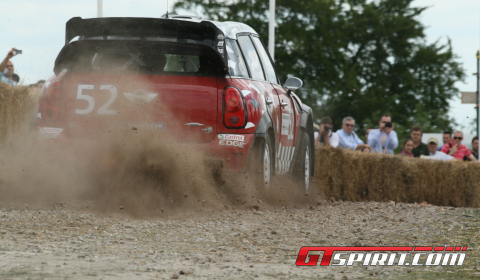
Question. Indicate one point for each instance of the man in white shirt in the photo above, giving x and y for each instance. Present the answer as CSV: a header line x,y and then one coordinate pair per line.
x,y
348,139
326,135
434,153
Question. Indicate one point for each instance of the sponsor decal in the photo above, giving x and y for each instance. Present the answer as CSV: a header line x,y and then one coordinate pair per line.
x,y
366,256
231,137
50,132
231,143
285,124
284,158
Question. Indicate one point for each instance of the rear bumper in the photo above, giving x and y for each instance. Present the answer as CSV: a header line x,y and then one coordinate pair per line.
x,y
231,150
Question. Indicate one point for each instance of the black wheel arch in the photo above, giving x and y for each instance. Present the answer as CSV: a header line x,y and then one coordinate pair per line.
x,y
306,125
264,127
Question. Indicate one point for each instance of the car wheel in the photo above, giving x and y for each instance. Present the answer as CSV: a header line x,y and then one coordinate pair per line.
x,y
303,164
266,164
262,163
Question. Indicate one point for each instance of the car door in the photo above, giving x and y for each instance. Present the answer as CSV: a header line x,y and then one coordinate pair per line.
x,y
259,82
287,121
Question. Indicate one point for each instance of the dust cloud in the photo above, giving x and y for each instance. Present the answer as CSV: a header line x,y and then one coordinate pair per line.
x,y
128,170
131,172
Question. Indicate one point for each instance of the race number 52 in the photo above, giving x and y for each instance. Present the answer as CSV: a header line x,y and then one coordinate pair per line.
x,y
103,110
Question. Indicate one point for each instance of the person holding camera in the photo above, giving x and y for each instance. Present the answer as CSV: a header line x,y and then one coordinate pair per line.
x,y
6,69
325,134
456,149
419,148
384,139
347,137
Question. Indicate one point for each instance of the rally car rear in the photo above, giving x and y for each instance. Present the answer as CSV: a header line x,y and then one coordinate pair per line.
x,y
165,77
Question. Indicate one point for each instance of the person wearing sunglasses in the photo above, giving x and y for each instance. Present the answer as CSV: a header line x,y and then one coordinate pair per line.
x,y
384,139
456,149
347,137
6,69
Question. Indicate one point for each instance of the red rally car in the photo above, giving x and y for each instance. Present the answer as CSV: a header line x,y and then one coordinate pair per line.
x,y
211,84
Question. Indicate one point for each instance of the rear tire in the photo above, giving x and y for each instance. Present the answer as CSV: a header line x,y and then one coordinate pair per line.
x,y
261,163
303,165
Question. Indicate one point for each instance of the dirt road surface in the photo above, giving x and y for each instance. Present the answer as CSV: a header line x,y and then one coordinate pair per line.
x,y
65,241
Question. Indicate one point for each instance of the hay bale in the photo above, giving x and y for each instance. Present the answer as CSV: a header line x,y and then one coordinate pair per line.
x,y
16,108
356,176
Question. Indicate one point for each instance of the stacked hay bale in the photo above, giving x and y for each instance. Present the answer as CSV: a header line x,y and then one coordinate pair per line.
x,y
16,108
356,176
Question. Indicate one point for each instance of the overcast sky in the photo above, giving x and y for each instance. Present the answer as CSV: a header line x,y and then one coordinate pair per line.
x,y
38,28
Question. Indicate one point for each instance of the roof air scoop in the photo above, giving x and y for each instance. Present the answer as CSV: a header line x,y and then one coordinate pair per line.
x,y
187,17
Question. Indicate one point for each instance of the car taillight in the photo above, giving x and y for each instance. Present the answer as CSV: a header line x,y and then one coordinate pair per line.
x,y
234,109
51,102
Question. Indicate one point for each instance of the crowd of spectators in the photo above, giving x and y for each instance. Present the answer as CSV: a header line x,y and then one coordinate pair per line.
x,y
384,140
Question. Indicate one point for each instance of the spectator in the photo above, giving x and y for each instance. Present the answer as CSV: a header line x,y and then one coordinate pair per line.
x,y
407,148
326,135
419,148
347,137
6,70
433,151
40,84
368,131
447,138
456,149
37,87
474,149
384,139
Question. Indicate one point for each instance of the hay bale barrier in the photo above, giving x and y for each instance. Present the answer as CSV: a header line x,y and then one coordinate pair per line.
x,y
16,108
355,176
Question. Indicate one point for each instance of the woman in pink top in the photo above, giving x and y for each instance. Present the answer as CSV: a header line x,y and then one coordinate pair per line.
x,y
407,148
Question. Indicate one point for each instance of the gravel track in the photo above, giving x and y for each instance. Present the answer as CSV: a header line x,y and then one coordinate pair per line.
x,y
75,242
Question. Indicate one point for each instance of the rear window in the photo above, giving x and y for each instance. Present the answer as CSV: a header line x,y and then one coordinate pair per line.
x,y
146,63
141,58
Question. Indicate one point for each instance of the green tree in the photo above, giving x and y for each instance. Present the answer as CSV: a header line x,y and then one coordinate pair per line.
x,y
357,58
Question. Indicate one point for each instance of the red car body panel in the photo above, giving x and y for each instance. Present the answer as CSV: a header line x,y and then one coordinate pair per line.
x,y
175,101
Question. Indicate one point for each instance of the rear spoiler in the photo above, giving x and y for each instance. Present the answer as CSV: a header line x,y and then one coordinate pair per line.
x,y
183,30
